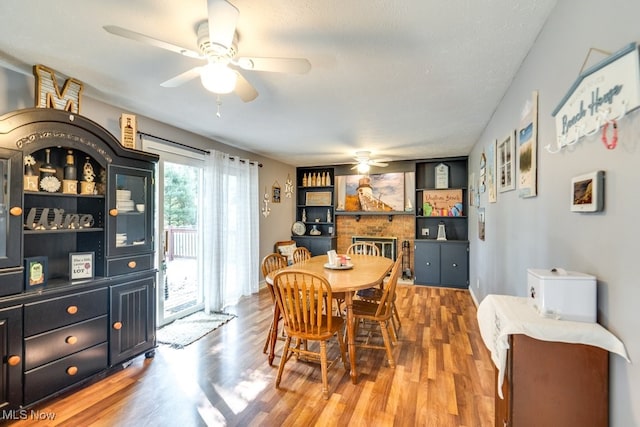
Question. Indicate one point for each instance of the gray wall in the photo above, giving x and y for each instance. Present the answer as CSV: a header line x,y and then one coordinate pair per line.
x,y
541,232
17,91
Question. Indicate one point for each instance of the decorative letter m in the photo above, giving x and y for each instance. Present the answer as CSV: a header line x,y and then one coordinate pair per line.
x,y
48,94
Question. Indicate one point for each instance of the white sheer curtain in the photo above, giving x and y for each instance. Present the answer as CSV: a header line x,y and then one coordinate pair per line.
x,y
231,230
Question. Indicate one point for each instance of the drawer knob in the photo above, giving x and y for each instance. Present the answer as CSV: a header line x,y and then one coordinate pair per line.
x,y
428,263
117,326
14,360
72,370
455,265
113,212
72,309
132,264
15,211
71,340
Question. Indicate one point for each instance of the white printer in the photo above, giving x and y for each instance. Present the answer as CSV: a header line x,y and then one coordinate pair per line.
x,y
561,294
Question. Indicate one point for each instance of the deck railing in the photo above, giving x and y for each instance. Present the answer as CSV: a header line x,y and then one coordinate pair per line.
x,y
180,242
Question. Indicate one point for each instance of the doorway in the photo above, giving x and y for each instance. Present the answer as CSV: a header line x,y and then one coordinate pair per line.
x,y
178,215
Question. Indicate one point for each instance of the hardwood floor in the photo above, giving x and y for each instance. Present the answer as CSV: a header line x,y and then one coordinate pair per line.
x,y
443,377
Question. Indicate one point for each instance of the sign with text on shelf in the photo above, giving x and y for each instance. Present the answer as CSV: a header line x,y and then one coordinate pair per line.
x,y
601,94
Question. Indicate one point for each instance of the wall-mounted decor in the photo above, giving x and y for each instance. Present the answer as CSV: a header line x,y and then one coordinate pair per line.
x,y
506,162
375,193
587,192
528,149
128,130
604,92
81,265
481,223
491,171
49,95
266,210
442,202
318,198
482,183
275,192
288,187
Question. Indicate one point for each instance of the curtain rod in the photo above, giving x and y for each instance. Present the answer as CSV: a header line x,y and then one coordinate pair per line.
x,y
189,147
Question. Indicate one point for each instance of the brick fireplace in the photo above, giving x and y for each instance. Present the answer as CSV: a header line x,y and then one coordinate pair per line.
x,y
402,227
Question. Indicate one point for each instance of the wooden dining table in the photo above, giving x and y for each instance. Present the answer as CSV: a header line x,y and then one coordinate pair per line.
x,y
367,271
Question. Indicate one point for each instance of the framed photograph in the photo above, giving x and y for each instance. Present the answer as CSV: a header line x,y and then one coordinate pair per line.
x,y
587,192
481,223
81,265
275,192
506,163
318,198
35,272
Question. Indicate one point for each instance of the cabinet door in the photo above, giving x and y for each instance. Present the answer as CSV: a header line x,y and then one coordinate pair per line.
x,y
132,319
11,353
130,210
10,208
427,263
454,264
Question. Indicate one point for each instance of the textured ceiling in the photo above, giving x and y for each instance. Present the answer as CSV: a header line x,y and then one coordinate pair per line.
x,y
403,79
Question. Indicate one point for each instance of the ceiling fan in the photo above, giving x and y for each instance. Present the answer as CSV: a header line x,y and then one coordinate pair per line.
x,y
218,45
364,162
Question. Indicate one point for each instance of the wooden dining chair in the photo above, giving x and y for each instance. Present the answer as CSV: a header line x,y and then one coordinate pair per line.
x,y
305,299
373,294
379,314
363,248
301,254
270,263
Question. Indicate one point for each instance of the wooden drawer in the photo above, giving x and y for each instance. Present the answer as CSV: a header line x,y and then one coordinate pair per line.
x,y
129,264
58,312
11,281
52,377
52,345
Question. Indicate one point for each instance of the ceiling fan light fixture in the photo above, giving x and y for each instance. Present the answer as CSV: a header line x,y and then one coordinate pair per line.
x,y
218,78
363,167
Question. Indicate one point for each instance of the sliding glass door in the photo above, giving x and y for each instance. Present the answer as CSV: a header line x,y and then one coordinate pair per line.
x,y
179,179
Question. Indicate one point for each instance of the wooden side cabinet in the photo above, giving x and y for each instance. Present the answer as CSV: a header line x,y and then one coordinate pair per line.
x,y
553,384
132,319
11,353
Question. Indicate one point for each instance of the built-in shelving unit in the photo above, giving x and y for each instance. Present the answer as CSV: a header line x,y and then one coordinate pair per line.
x,y
441,207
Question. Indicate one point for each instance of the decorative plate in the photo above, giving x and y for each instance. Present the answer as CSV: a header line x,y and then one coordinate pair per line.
x,y
50,184
338,267
298,228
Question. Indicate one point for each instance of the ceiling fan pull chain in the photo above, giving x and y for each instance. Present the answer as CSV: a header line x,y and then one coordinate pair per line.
x,y
218,104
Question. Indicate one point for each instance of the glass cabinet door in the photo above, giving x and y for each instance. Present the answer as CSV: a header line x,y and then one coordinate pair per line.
x,y
130,210
10,208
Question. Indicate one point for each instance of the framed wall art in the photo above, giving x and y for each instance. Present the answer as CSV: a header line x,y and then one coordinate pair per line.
x,y
528,149
275,192
491,172
506,162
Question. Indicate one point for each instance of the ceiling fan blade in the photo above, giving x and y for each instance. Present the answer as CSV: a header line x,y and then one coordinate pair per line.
x,y
182,78
132,35
379,164
244,89
223,18
276,65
